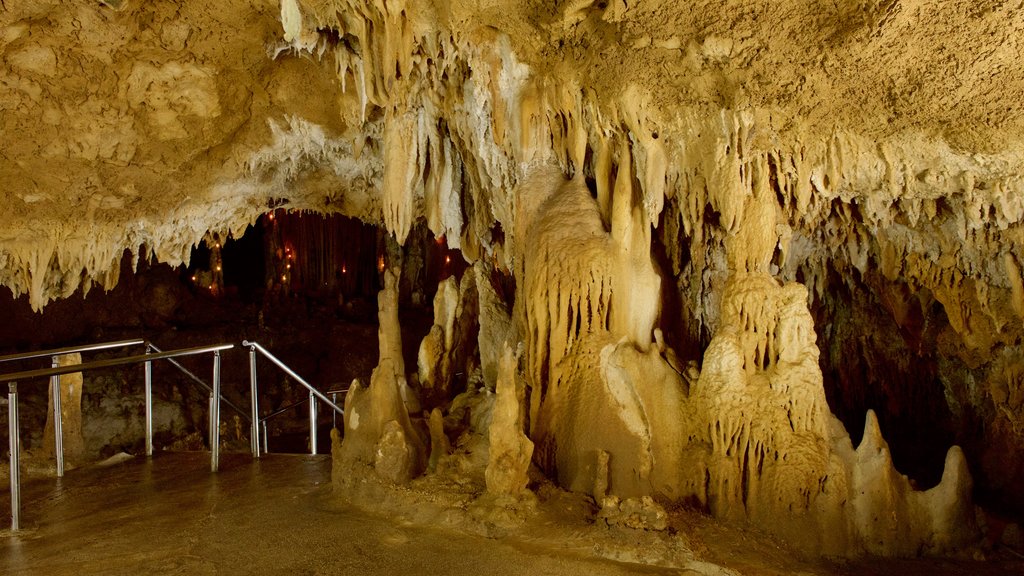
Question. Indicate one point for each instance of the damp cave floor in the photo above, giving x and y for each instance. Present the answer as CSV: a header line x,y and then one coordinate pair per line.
x,y
170,515
276,515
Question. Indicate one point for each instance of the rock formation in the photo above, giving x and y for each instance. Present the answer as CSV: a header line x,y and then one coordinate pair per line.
x,y
71,416
377,428
509,451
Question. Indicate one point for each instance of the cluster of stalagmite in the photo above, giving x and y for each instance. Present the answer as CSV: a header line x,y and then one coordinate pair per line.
x,y
751,437
611,157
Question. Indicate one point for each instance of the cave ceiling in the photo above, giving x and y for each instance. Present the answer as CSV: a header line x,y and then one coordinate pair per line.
x,y
889,131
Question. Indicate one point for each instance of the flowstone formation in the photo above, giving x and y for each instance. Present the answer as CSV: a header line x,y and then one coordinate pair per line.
x,y
687,203
752,438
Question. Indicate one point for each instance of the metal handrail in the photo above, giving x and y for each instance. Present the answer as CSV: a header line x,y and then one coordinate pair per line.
x,y
54,354
110,362
72,349
280,411
200,381
313,393
14,440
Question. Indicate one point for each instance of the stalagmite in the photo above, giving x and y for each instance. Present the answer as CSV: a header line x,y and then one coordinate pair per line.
x,y
71,416
439,444
389,337
495,325
378,431
510,450
444,351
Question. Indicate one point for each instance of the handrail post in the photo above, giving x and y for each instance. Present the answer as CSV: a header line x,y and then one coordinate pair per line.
x,y
58,420
14,443
148,369
215,415
334,415
266,441
312,423
254,434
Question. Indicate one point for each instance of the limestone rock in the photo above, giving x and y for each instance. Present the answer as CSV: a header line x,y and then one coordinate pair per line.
x,y
638,513
510,451
389,336
395,459
439,444
378,430
446,349
495,324
71,420
1013,537
637,398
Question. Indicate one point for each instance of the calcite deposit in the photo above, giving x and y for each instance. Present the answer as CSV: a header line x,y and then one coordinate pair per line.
x,y
724,221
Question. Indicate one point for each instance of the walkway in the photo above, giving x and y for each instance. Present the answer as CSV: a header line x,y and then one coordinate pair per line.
x,y
169,515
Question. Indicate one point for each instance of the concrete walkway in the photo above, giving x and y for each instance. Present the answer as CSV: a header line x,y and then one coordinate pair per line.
x,y
170,515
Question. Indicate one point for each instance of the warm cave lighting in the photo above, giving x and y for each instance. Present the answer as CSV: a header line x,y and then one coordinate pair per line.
x,y
344,270
218,268
380,263
447,260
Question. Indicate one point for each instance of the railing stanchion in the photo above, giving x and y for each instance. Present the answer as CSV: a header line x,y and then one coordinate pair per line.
x,y
58,420
14,444
266,439
334,415
148,370
254,393
215,415
312,423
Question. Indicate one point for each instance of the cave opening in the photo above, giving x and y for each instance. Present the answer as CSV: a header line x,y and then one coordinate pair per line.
x,y
303,284
890,368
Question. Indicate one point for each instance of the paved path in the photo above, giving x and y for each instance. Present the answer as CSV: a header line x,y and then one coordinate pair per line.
x,y
169,515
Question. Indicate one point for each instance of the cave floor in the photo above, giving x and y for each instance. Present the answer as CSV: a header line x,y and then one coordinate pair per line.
x,y
170,515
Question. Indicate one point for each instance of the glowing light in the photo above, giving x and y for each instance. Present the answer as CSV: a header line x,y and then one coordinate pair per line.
x,y
283,279
343,269
271,215
447,259
380,263
218,268
193,278
289,266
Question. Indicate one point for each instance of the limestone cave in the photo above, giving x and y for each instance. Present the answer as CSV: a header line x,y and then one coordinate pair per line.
x,y
585,286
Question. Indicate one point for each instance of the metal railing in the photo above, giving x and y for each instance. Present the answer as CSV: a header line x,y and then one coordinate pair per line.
x,y
196,379
14,440
54,354
257,422
334,416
